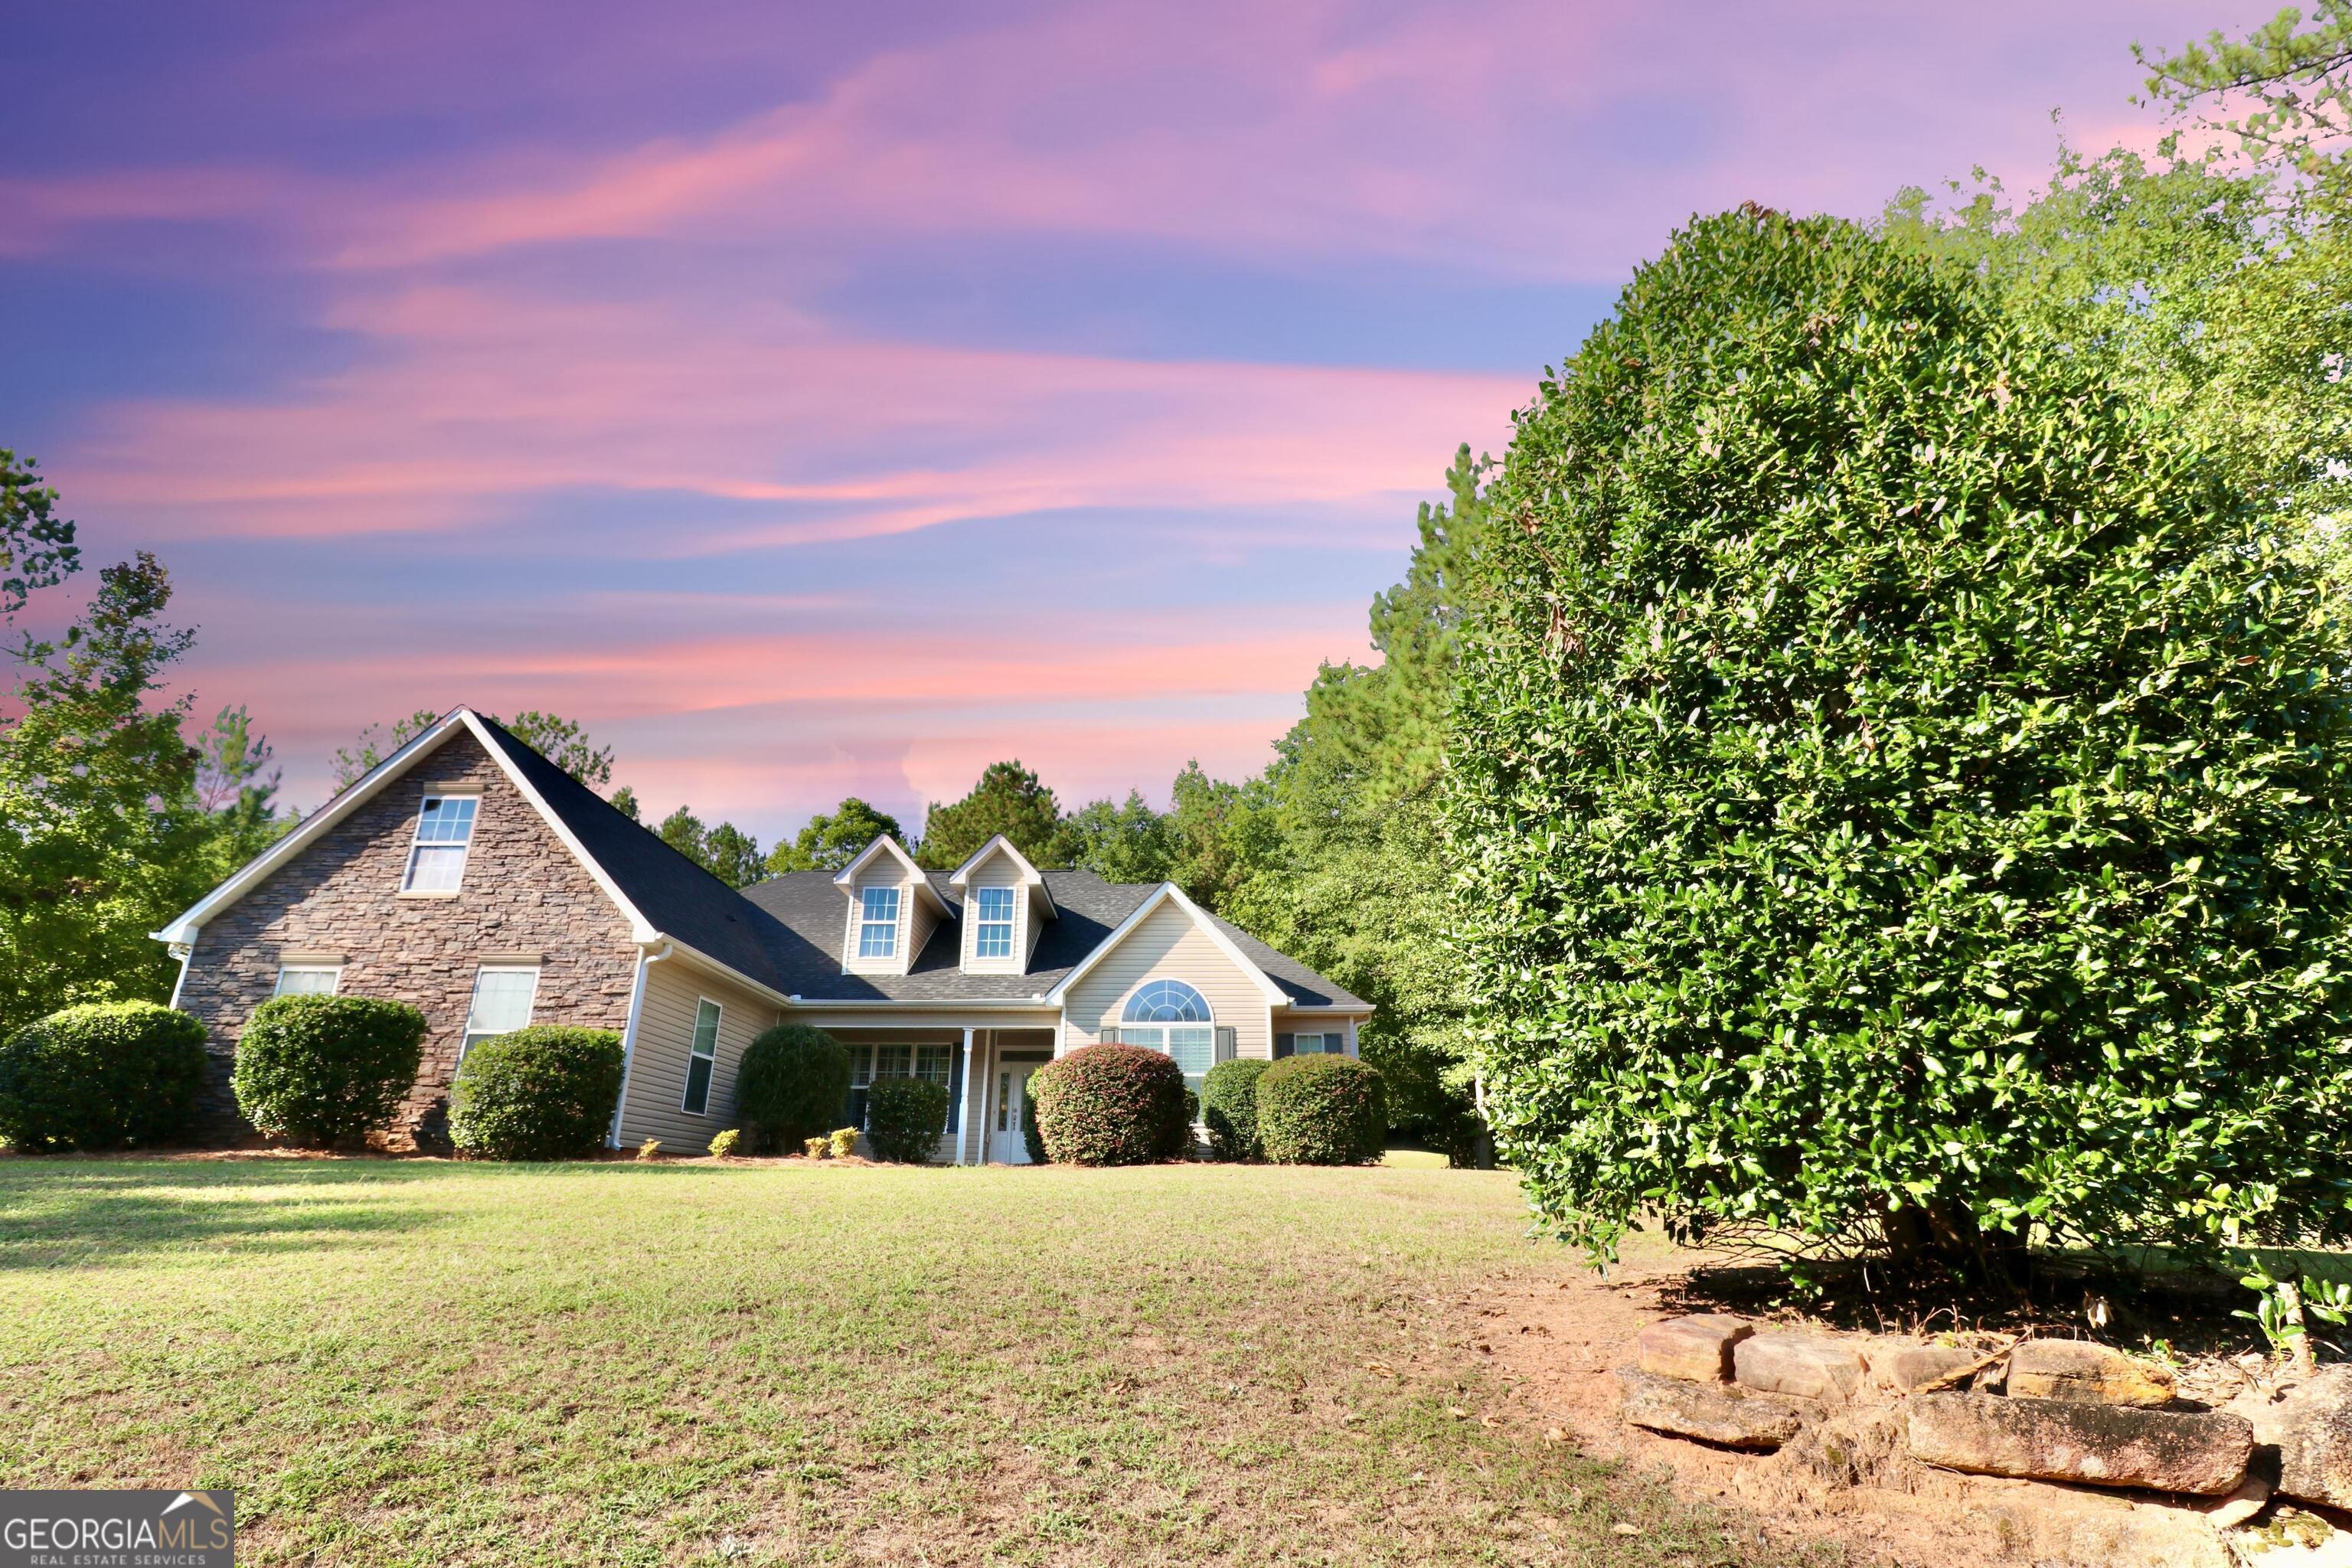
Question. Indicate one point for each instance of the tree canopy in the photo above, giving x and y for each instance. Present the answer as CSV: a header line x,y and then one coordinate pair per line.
x,y
1900,783
832,839
1009,799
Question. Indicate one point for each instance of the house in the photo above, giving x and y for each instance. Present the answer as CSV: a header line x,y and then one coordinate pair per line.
x,y
473,878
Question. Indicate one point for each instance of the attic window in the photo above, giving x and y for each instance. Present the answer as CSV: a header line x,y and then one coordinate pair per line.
x,y
993,923
436,860
878,926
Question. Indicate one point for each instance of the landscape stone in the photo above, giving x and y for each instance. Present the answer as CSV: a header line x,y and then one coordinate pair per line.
x,y
1808,1366
1906,1366
1714,1413
2085,1374
1697,1347
2252,1495
2310,1425
2202,1452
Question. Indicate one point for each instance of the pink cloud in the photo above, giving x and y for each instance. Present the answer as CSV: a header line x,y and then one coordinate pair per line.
x,y
481,400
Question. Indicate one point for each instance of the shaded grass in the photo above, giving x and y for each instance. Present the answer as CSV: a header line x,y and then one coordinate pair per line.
x,y
414,1362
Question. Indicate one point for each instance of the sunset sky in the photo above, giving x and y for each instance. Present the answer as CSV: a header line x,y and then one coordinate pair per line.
x,y
819,400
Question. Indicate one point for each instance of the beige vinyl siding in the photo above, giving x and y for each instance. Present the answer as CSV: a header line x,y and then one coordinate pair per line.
x,y
999,870
1168,945
666,1038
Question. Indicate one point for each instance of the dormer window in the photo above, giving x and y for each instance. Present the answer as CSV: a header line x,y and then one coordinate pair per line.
x,y
992,922
877,924
437,858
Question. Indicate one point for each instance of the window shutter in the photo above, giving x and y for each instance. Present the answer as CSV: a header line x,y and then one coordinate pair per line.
x,y
1110,1036
1226,1044
1282,1045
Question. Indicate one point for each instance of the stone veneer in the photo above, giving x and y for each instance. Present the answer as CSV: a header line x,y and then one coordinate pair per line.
x,y
523,892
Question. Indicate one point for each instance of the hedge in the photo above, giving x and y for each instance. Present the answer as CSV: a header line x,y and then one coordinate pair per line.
x,y
1322,1110
1229,1108
1032,1139
101,1076
323,1070
542,1093
1111,1105
791,1085
904,1119
1901,793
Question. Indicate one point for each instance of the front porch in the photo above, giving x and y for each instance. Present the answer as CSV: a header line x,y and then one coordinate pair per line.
x,y
984,1066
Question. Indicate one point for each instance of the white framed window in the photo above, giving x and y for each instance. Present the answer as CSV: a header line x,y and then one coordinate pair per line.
x,y
932,1063
702,1058
1333,1043
503,995
309,979
437,857
877,923
991,931
1171,1016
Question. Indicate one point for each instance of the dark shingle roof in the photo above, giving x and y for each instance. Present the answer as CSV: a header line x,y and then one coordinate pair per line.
x,y
786,933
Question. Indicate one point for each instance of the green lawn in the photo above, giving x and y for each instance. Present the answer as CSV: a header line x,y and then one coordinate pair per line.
x,y
429,1363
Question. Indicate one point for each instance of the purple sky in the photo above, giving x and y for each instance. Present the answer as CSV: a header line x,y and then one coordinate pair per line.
x,y
832,399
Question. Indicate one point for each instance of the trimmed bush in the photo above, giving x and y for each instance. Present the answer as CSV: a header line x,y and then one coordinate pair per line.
x,y
1031,1138
1322,1110
1110,1105
101,1076
1229,1107
323,1070
724,1146
542,1093
904,1119
791,1085
841,1142
1901,793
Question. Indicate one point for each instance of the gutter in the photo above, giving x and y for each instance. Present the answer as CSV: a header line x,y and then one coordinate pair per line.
x,y
645,960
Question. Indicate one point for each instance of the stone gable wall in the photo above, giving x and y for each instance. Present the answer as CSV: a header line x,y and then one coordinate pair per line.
x,y
523,892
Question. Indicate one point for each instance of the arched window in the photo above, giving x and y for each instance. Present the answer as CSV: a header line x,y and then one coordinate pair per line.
x,y
1169,1016
1167,1002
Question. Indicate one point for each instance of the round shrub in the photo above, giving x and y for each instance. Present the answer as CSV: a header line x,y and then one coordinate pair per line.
x,y
1322,1110
791,1085
542,1093
1110,1105
904,1119
1229,1107
1904,795
1031,1140
101,1076
322,1070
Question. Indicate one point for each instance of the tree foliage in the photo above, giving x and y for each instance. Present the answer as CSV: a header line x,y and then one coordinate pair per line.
x,y
1009,799
100,838
36,546
2290,81
724,850
1900,783
832,839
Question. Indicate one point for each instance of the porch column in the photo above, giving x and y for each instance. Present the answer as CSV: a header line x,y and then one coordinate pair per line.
x,y
965,1120
985,1085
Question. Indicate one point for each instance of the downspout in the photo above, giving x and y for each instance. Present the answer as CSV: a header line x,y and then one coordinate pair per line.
x,y
645,960
183,951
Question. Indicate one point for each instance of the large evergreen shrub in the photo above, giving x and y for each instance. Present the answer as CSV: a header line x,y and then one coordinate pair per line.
x,y
1229,1108
1111,1105
791,1085
100,1076
1902,794
323,1070
1322,1110
547,1092
904,1119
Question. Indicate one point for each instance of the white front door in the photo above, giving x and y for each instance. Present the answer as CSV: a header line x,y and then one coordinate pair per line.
x,y
1005,1145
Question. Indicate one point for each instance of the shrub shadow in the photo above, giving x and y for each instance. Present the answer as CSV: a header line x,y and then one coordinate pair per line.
x,y
80,1213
